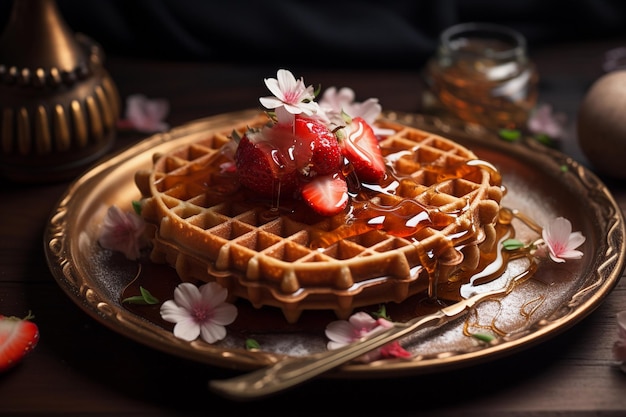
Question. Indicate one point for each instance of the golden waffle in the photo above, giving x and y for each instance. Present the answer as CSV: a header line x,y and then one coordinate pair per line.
x,y
210,230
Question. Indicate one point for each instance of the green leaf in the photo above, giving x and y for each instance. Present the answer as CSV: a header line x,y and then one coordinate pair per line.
x,y
137,206
150,299
252,344
381,313
484,337
317,90
545,139
512,244
144,298
135,299
510,135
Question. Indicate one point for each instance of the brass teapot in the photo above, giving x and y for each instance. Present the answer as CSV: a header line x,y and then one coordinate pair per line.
x,y
58,105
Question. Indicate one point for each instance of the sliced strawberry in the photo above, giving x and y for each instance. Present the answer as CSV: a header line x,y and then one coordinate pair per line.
x,y
264,166
326,157
326,194
360,147
17,338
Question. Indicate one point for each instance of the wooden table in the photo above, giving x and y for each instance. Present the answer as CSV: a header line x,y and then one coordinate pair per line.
x,y
82,368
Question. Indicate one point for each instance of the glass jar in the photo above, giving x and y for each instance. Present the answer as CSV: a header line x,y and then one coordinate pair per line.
x,y
481,74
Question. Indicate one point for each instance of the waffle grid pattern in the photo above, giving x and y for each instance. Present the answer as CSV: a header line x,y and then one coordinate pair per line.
x,y
269,260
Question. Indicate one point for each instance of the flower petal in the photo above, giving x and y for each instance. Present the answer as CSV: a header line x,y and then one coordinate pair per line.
x,y
368,110
270,102
571,254
340,331
212,294
575,240
621,325
187,329
146,115
556,258
558,231
172,312
274,87
362,320
286,81
187,295
211,332
122,232
224,314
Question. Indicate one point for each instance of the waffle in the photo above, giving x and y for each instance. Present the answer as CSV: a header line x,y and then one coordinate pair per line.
x,y
442,216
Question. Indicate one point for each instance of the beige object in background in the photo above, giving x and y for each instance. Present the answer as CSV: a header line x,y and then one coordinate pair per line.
x,y
601,125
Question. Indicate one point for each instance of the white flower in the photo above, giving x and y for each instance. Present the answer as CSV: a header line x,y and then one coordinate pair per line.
x,y
122,232
199,312
359,325
290,94
561,242
146,115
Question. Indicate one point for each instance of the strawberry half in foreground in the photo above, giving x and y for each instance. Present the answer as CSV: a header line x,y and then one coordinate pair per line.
x,y
326,194
17,338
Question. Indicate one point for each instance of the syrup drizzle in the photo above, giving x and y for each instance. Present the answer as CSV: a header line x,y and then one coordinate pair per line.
x,y
383,207
387,206
492,266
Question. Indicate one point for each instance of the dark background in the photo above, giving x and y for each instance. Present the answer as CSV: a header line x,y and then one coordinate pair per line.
x,y
322,33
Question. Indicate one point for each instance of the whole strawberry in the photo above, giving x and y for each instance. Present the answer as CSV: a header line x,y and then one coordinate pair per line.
x,y
274,160
17,338
264,164
326,157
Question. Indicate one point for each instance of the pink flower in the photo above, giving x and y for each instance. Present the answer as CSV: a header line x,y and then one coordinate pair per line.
x,y
335,104
544,121
122,232
561,242
145,115
290,95
615,59
359,325
199,312
619,348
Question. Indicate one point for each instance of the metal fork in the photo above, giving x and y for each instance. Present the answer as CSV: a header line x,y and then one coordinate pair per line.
x,y
295,370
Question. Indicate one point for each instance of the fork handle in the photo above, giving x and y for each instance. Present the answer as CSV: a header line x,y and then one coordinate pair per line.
x,y
295,370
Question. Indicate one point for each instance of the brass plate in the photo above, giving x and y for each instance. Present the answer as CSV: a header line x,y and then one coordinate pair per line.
x,y
541,182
